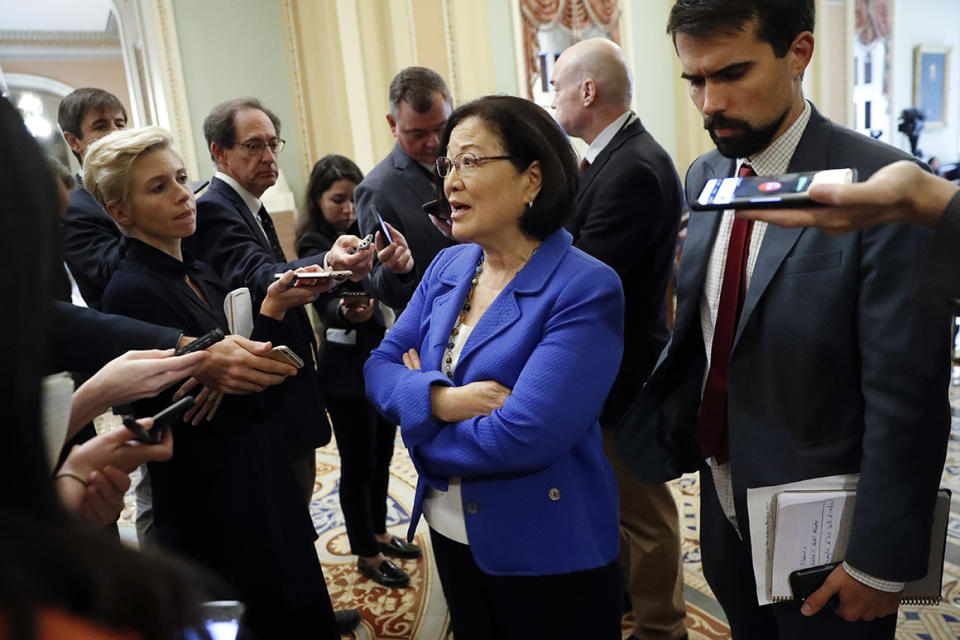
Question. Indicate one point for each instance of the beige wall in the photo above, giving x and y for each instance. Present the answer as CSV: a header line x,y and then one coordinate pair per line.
x,y
103,74
330,74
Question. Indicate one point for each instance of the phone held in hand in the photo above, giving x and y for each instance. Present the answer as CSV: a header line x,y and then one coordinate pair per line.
x,y
317,275
363,244
283,353
161,421
214,336
384,232
790,190
803,582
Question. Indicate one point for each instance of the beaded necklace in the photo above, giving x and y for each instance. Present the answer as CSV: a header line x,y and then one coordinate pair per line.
x,y
464,310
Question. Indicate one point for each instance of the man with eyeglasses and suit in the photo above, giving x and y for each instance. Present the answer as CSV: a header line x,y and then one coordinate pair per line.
x,y
236,237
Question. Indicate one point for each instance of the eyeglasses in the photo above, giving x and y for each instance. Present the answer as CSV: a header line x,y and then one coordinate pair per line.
x,y
464,163
256,147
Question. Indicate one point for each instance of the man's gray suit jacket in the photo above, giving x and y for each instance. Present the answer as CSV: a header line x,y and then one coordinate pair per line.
x,y
398,188
837,366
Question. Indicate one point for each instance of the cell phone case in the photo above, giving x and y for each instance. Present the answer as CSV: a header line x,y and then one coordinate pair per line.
x,y
803,582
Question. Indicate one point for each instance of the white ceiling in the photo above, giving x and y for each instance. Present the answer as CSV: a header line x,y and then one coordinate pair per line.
x,y
54,15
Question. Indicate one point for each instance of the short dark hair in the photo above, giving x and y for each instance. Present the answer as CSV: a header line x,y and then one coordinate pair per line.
x,y
779,22
75,105
219,126
416,86
528,133
328,169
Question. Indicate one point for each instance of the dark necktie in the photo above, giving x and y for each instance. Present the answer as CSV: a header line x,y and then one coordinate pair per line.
x,y
712,423
271,232
584,164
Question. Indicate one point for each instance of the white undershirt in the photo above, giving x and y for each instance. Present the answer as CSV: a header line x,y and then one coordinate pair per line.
x,y
444,509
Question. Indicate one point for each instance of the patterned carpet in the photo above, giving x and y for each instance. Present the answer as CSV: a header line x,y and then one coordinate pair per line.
x,y
419,612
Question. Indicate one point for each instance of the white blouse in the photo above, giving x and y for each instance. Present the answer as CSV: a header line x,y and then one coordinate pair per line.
x,y
444,509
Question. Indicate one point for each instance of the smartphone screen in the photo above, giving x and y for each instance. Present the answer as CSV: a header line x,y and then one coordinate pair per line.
x,y
767,192
383,229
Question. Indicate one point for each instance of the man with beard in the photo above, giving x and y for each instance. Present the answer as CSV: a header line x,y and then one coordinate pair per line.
x,y
795,354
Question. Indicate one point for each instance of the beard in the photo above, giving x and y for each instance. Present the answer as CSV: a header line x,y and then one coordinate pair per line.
x,y
746,144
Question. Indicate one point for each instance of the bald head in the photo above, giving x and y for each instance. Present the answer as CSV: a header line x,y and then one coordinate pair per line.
x,y
593,87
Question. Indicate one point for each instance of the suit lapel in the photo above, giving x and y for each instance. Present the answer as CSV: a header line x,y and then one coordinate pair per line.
x,y
633,129
413,176
810,155
226,192
505,309
446,306
701,231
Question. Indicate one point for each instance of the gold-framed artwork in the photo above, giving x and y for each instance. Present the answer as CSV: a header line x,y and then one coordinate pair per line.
x,y
931,68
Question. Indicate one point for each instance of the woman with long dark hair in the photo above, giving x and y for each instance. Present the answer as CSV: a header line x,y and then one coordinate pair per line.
x,y
354,324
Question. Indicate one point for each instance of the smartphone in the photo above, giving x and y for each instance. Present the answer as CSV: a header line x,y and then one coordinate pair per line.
x,y
363,244
804,582
312,275
354,294
161,422
384,232
212,337
284,353
789,190
437,209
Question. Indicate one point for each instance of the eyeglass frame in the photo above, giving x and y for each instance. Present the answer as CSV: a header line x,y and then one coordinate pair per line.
x,y
454,164
254,149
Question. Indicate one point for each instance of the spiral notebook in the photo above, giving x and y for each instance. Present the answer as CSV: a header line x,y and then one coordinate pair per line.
x,y
813,527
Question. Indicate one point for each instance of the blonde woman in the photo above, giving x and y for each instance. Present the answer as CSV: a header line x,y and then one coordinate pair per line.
x,y
227,499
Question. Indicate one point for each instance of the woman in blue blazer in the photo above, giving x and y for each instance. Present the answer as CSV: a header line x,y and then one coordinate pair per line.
x,y
496,373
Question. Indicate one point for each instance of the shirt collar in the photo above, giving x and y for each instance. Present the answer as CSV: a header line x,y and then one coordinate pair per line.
x,y
253,202
606,136
775,159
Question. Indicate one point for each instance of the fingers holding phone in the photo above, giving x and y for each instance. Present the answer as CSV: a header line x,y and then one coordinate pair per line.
x,y
295,289
393,251
346,254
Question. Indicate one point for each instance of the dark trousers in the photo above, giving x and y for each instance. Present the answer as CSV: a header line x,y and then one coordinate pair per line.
x,y
729,571
576,606
365,441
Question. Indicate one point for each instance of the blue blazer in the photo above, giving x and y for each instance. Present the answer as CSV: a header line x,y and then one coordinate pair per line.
x,y
539,494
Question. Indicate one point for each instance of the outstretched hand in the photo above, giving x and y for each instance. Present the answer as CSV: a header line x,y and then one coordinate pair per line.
x,y
127,378
238,365
396,256
899,192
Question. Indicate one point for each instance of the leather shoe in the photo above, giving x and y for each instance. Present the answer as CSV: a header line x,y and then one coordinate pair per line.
x,y
387,574
398,548
347,620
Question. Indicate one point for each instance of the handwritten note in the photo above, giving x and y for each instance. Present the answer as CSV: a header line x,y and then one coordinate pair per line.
x,y
812,529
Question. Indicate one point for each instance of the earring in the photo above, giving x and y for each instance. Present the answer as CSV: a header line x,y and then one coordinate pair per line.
x,y
530,204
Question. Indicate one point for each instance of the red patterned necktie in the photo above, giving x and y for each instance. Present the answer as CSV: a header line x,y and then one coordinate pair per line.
x,y
712,422
584,164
